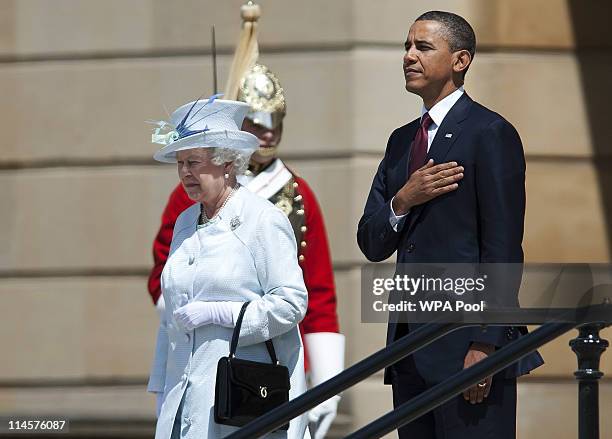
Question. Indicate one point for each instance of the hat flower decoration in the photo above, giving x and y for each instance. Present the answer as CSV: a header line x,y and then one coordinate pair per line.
x,y
204,123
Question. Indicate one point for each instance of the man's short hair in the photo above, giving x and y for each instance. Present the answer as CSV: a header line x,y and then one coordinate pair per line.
x,y
458,32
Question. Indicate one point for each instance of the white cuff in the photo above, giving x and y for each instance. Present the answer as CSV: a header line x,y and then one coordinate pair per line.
x,y
222,313
394,219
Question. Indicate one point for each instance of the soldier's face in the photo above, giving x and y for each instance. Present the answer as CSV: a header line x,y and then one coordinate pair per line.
x,y
268,140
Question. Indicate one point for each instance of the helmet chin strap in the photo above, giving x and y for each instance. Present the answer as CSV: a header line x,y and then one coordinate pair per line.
x,y
267,152
256,167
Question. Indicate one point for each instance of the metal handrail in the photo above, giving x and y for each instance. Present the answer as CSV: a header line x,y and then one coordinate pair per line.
x,y
434,396
461,381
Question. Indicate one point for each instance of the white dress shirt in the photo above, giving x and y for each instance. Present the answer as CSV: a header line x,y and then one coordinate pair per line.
x,y
437,113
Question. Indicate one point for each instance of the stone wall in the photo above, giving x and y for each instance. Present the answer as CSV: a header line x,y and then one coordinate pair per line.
x,y
82,197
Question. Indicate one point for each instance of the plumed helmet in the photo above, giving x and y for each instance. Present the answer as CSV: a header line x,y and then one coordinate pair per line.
x,y
261,89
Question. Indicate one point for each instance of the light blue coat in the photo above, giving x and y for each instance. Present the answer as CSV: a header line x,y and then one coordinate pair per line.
x,y
247,252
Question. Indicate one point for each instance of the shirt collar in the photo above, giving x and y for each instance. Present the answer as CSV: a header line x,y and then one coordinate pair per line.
x,y
439,111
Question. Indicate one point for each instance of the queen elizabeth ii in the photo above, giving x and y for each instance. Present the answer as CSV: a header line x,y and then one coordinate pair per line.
x,y
229,247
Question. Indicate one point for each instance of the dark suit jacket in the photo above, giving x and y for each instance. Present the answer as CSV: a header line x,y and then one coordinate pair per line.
x,y
480,222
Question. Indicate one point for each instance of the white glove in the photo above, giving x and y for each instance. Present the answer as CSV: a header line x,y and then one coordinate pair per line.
x,y
159,401
198,313
326,355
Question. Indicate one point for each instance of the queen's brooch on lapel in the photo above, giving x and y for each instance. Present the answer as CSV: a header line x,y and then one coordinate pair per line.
x,y
235,223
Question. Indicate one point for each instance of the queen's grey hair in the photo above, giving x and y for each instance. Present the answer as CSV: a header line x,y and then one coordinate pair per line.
x,y
240,160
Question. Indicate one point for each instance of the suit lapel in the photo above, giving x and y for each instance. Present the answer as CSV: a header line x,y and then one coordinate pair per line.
x,y
447,134
450,129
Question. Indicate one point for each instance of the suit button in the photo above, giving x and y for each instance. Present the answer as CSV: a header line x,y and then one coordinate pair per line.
x,y
510,333
411,247
187,420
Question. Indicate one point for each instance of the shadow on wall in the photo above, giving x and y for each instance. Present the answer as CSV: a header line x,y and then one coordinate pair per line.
x,y
593,41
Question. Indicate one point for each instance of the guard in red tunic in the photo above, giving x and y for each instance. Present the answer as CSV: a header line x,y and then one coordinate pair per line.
x,y
270,178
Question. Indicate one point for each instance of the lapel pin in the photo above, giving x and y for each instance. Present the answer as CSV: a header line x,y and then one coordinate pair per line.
x,y
448,135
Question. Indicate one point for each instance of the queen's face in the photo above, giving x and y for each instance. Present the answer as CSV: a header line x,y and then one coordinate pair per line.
x,y
203,181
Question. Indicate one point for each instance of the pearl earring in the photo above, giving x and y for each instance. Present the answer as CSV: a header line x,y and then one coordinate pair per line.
x,y
226,175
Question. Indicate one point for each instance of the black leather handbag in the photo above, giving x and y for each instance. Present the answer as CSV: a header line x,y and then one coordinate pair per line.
x,y
244,389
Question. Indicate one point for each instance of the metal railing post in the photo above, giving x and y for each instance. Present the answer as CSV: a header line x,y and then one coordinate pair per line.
x,y
588,347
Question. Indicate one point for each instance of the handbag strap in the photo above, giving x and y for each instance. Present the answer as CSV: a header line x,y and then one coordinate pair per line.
x,y
236,334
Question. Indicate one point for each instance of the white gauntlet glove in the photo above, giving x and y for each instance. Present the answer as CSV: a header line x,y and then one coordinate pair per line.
x,y
326,355
322,416
198,313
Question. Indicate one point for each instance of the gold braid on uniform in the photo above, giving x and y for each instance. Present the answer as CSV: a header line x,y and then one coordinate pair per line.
x,y
291,203
257,168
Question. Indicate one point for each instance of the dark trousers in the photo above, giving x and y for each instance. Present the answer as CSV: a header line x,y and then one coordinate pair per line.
x,y
494,418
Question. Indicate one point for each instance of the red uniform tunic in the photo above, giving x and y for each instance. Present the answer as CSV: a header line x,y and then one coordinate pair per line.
x,y
314,258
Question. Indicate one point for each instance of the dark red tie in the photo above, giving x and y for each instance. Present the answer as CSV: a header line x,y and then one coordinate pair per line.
x,y
418,152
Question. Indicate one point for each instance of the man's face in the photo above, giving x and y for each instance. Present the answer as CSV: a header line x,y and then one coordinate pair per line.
x,y
428,61
268,140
